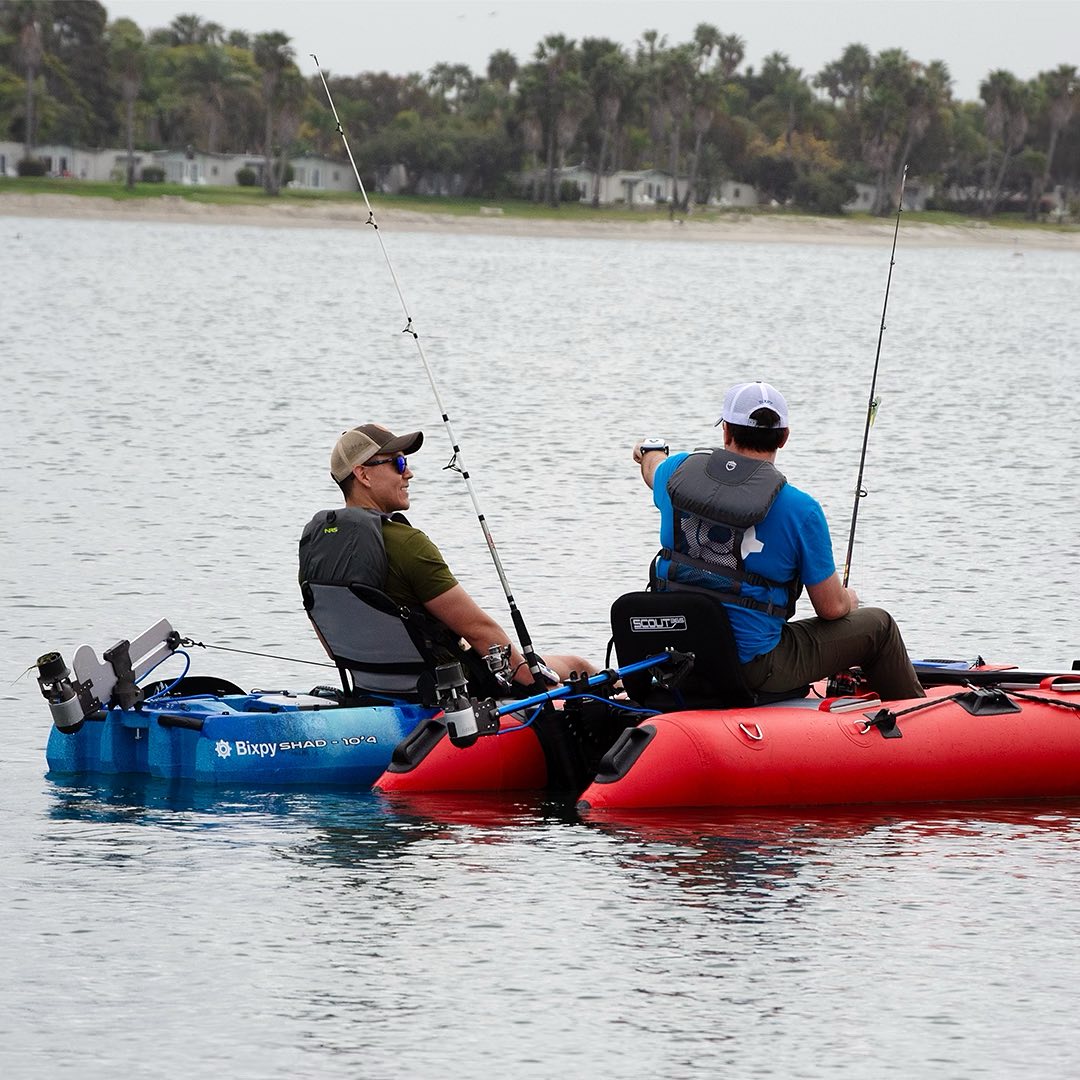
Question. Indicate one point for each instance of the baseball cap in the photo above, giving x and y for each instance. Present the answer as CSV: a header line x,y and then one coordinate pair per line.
x,y
359,444
746,398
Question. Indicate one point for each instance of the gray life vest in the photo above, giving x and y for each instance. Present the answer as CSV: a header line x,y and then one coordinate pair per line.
x,y
345,547
339,547
716,497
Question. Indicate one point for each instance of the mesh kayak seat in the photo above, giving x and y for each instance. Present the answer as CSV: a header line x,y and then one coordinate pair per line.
x,y
377,649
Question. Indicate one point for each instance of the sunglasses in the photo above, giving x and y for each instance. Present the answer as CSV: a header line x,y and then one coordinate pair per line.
x,y
398,461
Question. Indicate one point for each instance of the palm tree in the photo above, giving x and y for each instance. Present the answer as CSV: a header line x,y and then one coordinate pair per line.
x,y
273,55
706,41
787,99
730,53
678,75
452,85
1059,89
213,34
188,30
708,97
547,91
845,79
127,55
610,81
1005,121
502,68
532,137
893,109
211,74
31,51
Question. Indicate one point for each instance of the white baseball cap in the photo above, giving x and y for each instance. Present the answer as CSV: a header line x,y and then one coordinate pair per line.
x,y
741,401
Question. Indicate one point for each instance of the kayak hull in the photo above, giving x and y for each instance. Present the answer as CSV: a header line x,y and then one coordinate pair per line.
x,y
784,756
251,739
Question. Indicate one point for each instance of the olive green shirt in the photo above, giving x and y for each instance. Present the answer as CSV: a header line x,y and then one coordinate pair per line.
x,y
417,572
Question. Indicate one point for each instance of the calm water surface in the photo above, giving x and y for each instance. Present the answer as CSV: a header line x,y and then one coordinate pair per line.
x,y
170,397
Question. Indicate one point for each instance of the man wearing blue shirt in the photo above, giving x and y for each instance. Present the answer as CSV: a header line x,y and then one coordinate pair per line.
x,y
730,523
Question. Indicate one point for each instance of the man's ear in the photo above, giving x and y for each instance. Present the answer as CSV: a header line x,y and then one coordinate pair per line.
x,y
784,438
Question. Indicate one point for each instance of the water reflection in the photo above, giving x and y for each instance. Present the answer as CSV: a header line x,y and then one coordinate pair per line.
x,y
749,851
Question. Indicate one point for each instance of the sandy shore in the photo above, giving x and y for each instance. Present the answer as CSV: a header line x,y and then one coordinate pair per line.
x,y
746,228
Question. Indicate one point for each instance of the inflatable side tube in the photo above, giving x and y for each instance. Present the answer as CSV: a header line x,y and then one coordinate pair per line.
x,y
511,761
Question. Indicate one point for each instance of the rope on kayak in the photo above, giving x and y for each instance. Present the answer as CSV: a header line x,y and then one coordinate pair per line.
x,y
873,402
191,643
536,665
977,700
885,719
1074,705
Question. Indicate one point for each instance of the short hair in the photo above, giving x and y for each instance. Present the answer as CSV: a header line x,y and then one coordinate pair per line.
x,y
347,485
759,438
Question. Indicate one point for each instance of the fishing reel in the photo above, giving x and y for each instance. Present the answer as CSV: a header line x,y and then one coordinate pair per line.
x,y
848,683
498,663
466,719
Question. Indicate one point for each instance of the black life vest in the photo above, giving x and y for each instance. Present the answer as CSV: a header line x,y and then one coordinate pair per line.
x,y
717,497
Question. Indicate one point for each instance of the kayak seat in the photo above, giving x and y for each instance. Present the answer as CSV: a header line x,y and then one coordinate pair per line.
x,y
377,651
646,623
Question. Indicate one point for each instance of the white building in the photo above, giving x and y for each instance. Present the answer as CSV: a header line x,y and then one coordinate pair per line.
x,y
643,188
190,166
916,194
314,173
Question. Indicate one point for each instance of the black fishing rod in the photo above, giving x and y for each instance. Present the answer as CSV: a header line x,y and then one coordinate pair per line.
x,y
456,461
873,401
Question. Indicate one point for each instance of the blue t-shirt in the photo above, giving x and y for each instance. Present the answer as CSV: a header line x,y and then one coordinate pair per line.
x,y
792,541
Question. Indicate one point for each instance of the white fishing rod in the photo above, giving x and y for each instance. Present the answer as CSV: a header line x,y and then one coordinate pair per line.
x,y
874,401
456,462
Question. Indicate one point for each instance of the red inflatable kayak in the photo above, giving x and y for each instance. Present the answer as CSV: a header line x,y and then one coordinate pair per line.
x,y
958,744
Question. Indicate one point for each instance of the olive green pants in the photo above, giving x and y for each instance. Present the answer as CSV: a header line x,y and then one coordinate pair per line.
x,y
812,649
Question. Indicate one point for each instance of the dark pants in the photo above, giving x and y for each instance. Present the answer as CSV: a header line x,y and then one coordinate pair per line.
x,y
812,649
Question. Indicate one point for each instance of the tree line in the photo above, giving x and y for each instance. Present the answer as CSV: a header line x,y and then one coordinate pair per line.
x,y
694,109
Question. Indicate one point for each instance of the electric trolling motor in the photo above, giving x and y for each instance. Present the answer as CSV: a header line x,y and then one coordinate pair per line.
x,y
466,719
108,683
69,703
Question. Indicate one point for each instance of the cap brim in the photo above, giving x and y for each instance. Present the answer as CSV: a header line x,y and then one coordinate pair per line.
x,y
404,444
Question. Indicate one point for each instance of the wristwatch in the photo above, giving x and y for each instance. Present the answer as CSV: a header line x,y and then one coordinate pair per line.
x,y
654,444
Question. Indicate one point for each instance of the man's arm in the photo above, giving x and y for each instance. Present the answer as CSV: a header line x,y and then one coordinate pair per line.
x,y
456,609
649,458
832,600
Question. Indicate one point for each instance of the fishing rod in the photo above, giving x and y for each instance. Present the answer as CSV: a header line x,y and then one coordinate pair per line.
x,y
873,401
456,461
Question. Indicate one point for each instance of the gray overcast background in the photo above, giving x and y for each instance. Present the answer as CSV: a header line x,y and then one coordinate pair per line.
x,y
972,36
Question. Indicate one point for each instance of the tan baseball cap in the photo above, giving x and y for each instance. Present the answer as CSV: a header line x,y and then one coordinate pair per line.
x,y
361,443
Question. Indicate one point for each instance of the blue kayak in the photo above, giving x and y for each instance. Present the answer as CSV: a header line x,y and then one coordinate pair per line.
x,y
209,730
239,739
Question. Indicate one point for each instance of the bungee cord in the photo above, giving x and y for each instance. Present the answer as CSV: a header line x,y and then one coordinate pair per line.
x,y
873,401
191,643
456,462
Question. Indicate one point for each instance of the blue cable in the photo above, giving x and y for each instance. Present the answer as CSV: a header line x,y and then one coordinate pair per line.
x,y
615,704
522,726
176,682
581,697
